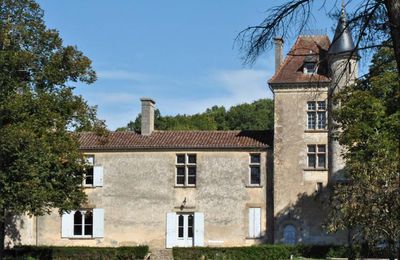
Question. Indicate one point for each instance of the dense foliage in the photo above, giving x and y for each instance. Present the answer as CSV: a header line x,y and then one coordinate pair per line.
x,y
78,253
258,115
40,166
369,122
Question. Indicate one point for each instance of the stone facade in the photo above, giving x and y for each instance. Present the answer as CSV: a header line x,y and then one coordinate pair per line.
x,y
139,189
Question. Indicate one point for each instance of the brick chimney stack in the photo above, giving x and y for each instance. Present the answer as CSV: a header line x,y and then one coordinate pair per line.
x,y
278,52
147,122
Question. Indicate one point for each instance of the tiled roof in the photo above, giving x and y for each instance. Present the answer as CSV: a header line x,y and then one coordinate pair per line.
x,y
177,140
306,47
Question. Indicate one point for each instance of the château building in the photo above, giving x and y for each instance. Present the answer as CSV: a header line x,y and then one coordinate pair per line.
x,y
218,188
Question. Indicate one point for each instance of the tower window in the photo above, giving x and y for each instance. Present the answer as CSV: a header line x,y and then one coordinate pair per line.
x,y
316,115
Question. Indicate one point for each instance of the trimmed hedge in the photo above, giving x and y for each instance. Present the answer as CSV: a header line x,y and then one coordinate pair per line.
x,y
259,252
77,253
272,252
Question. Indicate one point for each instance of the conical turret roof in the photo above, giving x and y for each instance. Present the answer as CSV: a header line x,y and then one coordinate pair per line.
x,y
342,42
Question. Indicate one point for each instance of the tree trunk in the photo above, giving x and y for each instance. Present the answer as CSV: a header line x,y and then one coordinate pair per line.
x,y
393,9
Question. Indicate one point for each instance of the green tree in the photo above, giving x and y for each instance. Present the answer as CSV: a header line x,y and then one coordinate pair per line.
x,y
369,119
258,115
40,165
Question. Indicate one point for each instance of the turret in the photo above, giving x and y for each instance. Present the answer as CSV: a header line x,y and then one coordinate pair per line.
x,y
343,64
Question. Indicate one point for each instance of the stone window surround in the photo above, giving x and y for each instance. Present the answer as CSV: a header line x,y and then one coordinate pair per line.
x,y
315,110
186,165
316,154
253,165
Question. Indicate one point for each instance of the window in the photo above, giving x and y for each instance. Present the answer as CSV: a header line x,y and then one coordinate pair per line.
x,y
310,67
255,169
186,169
89,172
316,156
254,222
316,115
289,235
93,175
83,223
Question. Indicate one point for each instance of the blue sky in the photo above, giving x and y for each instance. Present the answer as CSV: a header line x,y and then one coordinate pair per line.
x,y
178,52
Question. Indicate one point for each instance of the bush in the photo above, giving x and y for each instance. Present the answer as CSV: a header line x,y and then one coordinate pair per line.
x,y
272,252
78,253
260,252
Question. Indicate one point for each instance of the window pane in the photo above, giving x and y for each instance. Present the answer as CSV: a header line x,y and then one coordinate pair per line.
x,y
192,158
89,176
180,175
190,226
88,230
90,159
321,148
77,218
311,105
311,160
311,120
180,226
180,158
192,175
255,175
321,160
321,105
88,218
77,230
78,223
321,120
311,148
254,158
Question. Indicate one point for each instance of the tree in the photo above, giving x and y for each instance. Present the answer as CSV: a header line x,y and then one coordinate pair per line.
x,y
373,22
40,165
258,115
369,119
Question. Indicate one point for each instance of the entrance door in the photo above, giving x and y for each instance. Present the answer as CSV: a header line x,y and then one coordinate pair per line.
x,y
185,223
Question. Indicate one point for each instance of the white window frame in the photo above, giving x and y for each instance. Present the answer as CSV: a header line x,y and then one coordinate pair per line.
x,y
83,212
316,155
90,161
316,112
186,165
254,165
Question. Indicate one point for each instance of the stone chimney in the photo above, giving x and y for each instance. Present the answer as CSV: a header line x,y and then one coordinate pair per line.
x,y
147,123
278,52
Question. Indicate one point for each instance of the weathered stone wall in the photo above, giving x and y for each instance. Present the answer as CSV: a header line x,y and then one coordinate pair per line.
x,y
139,189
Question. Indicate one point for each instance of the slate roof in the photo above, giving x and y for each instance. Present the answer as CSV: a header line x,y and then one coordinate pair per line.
x,y
177,140
305,48
342,42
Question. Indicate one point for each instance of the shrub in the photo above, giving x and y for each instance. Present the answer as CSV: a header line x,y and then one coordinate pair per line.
x,y
78,253
272,252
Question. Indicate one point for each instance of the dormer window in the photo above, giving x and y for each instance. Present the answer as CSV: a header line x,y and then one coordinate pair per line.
x,y
310,64
310,67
